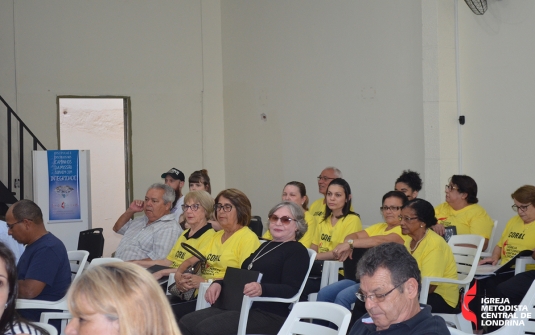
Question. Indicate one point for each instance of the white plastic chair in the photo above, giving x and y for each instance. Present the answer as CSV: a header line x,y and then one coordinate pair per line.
x,y
521,263
466,259
329,275
77,259
103,260
327,311
490,247
49,328
248,301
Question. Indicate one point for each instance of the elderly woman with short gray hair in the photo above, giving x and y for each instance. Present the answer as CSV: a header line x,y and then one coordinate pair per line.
x,y
283,262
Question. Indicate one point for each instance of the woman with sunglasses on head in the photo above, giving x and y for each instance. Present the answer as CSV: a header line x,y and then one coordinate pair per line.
x,y
283,262
228,247
432,253
10,321
462,211
343,291
296,192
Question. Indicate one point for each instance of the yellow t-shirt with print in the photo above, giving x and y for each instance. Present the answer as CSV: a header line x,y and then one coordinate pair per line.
x,y
231,253
435,259
516,237
473,219
177,255
306,240
327,237
380,229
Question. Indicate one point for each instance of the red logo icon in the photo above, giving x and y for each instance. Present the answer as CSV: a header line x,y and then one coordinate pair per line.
x,y
465,310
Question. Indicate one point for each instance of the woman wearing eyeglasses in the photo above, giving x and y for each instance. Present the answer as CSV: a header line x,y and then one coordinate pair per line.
x,y
343,291
229,246
283,262
432,253
296,192
462,211
519,235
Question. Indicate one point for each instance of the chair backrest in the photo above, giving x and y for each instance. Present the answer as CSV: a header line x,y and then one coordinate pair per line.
x,y
466,257
92,240
492,243
49,328
77,259
105,260
256,225
298,320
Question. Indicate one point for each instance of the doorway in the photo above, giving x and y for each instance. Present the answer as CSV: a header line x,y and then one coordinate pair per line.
x,y
101,125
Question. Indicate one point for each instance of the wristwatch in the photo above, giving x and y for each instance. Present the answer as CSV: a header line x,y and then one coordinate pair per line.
x,y
350,243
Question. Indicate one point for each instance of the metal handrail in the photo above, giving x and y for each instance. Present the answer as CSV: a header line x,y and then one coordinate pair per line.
x,y
36,143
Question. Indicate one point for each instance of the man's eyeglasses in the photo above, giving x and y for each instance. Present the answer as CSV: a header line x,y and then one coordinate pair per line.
x,y
194,207
324,178
10,226
224,208
377,297
391,208
521,208
284,219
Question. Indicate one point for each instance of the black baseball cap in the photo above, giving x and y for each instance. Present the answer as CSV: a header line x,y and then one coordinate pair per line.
x,y
175,174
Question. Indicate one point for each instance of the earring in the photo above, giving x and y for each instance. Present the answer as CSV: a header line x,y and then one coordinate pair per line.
x,y
421,226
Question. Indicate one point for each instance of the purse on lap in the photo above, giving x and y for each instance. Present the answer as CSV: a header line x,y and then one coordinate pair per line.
x,y
196,269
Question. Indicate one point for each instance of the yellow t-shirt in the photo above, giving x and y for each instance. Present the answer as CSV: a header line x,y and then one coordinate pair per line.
x,y
177,255
231,253
306,240
327,237
516,237
379,229
435,259
317,209
473,219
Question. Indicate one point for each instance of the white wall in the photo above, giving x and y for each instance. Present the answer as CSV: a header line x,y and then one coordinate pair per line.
x,y
498,82
340,84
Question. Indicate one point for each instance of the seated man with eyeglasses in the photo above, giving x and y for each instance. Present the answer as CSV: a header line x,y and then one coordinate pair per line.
x,y
390,283
43,269
151,236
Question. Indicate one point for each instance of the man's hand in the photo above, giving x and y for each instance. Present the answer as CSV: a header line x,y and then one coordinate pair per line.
x,y
136,206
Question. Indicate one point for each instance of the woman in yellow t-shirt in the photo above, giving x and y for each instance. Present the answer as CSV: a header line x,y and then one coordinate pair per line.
x,y
296,192
432,253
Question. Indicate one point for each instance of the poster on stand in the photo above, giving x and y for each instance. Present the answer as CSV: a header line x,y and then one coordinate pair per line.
x,y
64,186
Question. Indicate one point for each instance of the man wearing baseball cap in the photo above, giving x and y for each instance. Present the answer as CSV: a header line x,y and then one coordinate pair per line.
x,y
175,178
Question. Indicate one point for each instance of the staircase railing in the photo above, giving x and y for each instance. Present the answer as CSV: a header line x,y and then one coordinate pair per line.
x,y
12,117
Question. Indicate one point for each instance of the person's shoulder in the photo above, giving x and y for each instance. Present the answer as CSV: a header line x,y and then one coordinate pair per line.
x,y
432,325
22,328
443,207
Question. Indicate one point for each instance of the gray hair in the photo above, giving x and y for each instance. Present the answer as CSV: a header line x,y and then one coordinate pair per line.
x,y
393,257
169,193
336,170
297,213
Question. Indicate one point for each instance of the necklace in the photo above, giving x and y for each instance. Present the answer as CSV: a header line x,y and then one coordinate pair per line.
x,y
258,256
418,243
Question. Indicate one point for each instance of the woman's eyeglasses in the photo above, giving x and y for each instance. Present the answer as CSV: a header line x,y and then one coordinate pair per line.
x,y
406,218
390,208
284,219
225,207
521,208
193,208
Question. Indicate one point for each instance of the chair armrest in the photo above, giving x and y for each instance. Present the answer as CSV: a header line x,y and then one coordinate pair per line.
x,y
426,282
486,254
201,301
521,262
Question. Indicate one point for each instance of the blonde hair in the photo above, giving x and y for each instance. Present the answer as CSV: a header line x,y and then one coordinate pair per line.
x,y
125,292
204,199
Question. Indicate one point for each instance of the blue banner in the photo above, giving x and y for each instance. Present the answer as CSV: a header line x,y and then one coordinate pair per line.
x,y
64,185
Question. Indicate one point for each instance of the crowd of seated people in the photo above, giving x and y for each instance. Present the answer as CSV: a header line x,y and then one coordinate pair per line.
x,y
331,227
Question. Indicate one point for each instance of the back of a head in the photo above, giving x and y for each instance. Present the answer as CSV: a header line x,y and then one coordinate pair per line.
x,y
27,209
125,292
391,256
